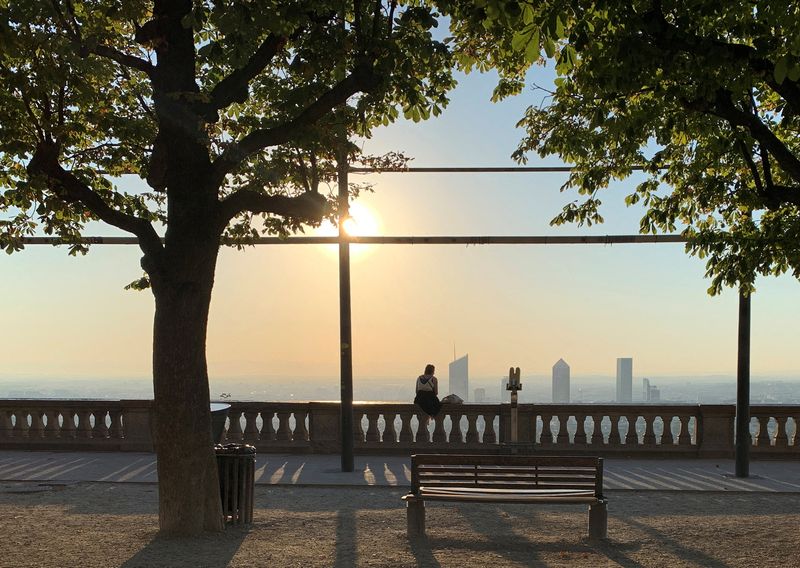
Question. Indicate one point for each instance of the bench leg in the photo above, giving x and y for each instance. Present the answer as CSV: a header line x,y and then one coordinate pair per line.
x,y
415,515
598,520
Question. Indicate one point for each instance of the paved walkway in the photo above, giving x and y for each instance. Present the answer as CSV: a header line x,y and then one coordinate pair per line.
x,y
279,469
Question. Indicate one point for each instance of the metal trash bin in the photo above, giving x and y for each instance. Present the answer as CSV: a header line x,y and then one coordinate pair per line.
x,y
236,467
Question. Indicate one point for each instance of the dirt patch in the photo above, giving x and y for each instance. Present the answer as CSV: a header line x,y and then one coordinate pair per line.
x,y
97,524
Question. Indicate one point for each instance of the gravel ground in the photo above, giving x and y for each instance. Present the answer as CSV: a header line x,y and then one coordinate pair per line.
x,y
104,524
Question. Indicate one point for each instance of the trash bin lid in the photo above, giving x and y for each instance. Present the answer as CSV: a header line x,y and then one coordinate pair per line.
x,y
235,450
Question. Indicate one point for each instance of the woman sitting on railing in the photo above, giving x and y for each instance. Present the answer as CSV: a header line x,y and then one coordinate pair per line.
x,y
427,397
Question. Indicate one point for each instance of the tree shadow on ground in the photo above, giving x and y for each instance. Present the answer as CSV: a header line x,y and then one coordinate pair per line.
x,y
209,550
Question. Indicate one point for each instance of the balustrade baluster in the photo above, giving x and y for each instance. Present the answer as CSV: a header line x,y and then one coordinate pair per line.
x,y
423,434
390,430
562,438
685,436
439,434
406,434
100,429
580,429
472,428
20,429
597,438
668,429
781,438
234,425
649,433
51,429
84,423
283,433
268,431
763,440
632,435
547,430
300,428
116,429
36,429
373,434
456,431
614,438
489,435
250,433
68,423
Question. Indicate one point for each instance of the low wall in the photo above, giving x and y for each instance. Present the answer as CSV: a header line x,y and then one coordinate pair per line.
x,y
699,431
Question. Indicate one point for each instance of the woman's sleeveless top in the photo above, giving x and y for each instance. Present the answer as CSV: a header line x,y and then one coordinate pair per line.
x,y
424,383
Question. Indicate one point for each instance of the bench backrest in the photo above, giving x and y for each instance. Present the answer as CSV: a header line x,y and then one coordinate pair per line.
x,y
507,472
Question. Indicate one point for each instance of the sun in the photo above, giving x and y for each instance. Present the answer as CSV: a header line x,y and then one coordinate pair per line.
x,y
361,222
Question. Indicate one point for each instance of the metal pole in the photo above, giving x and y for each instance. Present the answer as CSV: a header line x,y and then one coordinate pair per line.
x,y
345,335
743,438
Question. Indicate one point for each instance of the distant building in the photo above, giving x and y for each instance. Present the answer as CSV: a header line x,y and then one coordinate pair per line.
x,y
480,395
650,393
625,379
504,393
560,381
458,374
655,394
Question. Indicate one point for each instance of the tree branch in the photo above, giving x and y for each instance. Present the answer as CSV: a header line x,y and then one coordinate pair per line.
x,y
670,38
72,190
74,31
308,206
123,59
361,80
234,87
723,106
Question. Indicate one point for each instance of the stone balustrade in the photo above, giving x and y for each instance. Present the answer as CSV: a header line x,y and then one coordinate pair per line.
x,y
393,428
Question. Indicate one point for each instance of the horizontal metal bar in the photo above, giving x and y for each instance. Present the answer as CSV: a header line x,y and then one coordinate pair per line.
x,y
471,170
410,240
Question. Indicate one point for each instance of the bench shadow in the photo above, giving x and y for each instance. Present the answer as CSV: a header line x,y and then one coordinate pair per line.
x,y
211,550
521,549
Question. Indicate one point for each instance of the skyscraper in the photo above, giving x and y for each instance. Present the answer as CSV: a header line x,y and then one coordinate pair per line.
x,y
651,393
458,373
560,381
625,379
480,395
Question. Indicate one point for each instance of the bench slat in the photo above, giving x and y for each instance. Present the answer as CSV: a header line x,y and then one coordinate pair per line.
x,y
502,485
504,460
510,499
489,490
526,470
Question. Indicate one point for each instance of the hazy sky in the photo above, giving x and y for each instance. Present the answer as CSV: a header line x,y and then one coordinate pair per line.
x,y
275,309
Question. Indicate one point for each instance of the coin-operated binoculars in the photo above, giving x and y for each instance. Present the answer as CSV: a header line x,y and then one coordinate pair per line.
x,y
514,385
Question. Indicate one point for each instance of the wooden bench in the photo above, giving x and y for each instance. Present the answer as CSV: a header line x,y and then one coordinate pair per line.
x,y
506,479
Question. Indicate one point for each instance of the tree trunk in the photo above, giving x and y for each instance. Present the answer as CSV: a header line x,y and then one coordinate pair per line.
x,y
188,486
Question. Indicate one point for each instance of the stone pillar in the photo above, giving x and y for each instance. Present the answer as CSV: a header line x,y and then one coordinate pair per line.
x,y
324,427
138,421
715,425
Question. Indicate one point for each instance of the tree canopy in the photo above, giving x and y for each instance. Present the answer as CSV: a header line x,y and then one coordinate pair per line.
x,y
704,95
91,89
